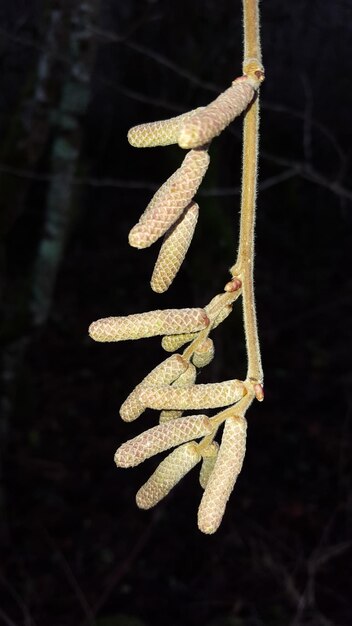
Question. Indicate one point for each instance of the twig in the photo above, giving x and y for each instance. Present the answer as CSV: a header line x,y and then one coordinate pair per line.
x,y
244,266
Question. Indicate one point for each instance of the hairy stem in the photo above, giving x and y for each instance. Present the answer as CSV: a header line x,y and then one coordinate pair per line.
x,y
251,31
244,265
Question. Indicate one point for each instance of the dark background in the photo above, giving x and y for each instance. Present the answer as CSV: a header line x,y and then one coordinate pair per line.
x,y
75,549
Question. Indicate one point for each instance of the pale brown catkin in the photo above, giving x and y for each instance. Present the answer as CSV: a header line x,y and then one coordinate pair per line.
x,y
213,119
150,324
160,438
170,200
184,380
164,374
208,396
174,249
171,343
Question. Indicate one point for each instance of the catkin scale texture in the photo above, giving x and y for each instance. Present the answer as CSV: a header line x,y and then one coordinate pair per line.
x,y
216,316
186,379
170,343
164,374
213,119
139,325
170,200
204,353
160,133
209,460
160,438
167,416
167,475
174,249
218,309
223,477
208,396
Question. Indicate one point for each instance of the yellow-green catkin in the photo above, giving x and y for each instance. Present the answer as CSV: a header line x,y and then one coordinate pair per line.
x,y
223,477
204,353
218,309
160,133
168,474
170,343
208,463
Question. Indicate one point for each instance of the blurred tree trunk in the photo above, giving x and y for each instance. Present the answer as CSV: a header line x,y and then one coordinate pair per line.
x,y
50,122
64,158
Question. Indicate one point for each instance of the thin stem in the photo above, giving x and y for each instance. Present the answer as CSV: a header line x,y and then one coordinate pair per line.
x,y
236,410
244,266
251,31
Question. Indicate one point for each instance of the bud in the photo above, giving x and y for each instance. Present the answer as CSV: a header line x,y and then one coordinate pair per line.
x,y
209,396
160,438
233,285
167,475
223,477
170,200
160,133
174,249
209,459
139,325
204,353
164,374
211,121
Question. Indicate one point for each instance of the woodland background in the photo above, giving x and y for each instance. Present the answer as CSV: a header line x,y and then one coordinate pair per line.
x,y
75,549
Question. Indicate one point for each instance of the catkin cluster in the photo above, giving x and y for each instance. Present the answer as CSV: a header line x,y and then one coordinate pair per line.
x,y
172,212
171,387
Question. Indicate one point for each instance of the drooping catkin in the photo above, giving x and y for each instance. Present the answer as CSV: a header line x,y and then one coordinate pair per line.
x,y
170,200
213,119
160,133
208,396
184,380
204,353
160,438
223,477
167,475
174,249
209,460
139,325
164,374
